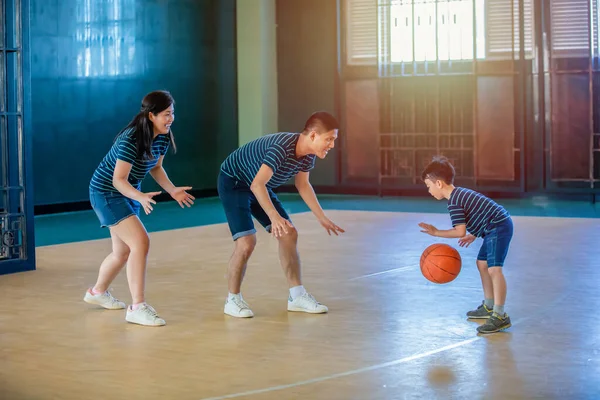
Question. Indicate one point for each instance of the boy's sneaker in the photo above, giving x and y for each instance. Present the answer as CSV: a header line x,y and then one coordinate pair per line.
x,y
105,300
482,312
306,303
144,315
237,307
495,323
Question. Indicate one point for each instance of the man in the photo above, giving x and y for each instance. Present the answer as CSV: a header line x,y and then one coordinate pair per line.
x,y
245,184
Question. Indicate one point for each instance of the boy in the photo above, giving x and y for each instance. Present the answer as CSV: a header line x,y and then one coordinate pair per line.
x,y
246,182
481,217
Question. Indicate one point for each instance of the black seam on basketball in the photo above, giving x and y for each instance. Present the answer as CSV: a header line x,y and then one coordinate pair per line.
x,y
447,255
449,273
430,275
430,249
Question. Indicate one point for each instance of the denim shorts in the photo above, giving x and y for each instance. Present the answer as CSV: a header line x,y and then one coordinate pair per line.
x,y
496,240
112,207
241,205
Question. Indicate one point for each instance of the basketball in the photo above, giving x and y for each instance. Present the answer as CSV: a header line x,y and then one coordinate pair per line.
x,y
440,263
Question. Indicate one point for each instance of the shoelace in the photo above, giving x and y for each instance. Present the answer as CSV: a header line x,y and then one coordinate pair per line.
x,y
310,298
241,303
148,310
109,295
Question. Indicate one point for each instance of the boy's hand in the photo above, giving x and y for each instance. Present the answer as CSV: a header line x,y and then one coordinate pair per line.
x,y
429,229
466,241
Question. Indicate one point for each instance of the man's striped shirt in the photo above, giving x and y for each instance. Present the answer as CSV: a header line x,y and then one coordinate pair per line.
x,y
475,210
277,150
125,149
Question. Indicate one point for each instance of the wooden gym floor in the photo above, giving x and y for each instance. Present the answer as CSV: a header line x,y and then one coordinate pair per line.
x,y
389,334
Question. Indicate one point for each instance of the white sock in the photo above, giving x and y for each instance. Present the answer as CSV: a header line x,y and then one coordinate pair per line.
x,y
297,291
234,296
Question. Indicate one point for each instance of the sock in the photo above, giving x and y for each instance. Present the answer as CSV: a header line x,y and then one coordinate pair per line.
x,y
233,296
499,310
297,291
95,292
489,303
136,306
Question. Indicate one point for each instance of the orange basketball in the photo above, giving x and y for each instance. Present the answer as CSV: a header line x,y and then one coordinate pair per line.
x,y
440,263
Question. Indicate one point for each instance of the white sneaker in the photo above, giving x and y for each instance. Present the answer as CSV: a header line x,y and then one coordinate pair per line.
x,y
105,300
237,307
306,303
144,315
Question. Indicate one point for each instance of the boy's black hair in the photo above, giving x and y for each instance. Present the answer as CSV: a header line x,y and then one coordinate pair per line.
x,y
439,169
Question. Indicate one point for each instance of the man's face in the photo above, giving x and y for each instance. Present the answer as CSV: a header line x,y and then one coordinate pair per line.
x,y
322,143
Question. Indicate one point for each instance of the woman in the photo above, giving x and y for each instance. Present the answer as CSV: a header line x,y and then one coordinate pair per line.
x,y
116,198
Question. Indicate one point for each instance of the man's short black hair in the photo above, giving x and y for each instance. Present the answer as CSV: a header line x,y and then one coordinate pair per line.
x,y
321,122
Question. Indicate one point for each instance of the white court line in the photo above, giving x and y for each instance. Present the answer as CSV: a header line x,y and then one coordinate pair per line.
x,y
385,272
377,366
353,372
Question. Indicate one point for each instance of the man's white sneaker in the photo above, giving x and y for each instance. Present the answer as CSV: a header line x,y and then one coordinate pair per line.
x,y
237,307
144,315
306,303
105,300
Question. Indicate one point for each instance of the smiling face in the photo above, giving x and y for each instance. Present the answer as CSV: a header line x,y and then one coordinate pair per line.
x,y
163,120
322,143
435,188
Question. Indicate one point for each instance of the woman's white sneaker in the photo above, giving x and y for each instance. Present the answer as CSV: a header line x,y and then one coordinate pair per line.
x,y
144,315
105,300
306,303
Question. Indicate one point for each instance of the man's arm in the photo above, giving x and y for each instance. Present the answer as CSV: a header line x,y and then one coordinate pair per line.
x,y
307,193
259,188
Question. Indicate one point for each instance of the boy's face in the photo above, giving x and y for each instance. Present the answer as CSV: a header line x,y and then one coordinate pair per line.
x,y
435,188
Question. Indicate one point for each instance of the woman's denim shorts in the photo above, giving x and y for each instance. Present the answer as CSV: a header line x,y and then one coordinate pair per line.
x,y
112,207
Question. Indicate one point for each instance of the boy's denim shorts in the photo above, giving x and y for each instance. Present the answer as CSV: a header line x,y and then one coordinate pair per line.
x,y
240,205
112,207
496,240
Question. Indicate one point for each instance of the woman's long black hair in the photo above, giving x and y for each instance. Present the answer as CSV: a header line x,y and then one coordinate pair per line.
x,y
143,129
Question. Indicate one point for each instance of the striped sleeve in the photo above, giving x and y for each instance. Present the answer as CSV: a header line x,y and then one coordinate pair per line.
x,y
165,147
457,214
275,157
126,151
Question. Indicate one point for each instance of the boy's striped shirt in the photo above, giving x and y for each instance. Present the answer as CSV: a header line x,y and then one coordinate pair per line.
x,y
475,210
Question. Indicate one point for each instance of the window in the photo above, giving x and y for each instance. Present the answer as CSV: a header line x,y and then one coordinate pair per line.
x,y
443,30
419,30
361,32
105,38
570,27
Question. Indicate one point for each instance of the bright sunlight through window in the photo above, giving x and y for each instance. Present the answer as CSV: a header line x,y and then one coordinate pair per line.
x,y
413,30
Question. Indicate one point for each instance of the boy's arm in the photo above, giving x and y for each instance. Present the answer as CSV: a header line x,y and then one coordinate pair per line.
x,y
458,231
